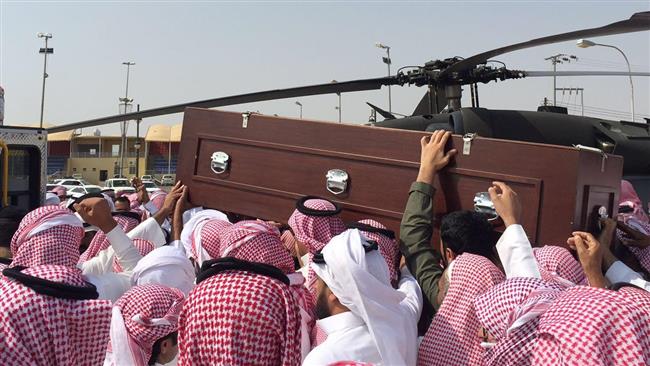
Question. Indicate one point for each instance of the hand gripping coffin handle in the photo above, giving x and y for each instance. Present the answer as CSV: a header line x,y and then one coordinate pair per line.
x,y
220,162
483,204
337,181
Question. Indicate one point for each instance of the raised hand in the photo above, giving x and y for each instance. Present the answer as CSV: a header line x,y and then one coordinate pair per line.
x,y
432,156
506,202
96,211
590,254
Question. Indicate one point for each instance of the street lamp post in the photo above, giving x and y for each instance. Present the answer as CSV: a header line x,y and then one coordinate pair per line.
x,y
137,144
299,105
558,59
45,52
387,61
584,43
126,103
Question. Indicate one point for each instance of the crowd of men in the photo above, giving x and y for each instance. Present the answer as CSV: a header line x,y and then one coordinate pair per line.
x,y
151,280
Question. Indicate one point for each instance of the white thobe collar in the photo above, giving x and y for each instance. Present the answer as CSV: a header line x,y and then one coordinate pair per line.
x,y
340,322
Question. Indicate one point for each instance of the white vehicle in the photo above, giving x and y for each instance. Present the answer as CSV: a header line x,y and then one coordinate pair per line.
x,y
167,180
71,183
119,185
150,186
147,177
79,191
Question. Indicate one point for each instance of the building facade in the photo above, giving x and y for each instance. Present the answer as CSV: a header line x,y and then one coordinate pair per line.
x,y
97,158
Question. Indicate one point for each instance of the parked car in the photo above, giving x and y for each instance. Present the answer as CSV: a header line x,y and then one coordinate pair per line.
x,y
71,183
167,180
119,185
77,176
150,186
147,177
77,192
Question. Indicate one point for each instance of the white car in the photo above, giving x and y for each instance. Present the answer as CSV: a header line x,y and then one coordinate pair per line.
x,y
150,186
119,185
79,191
147,177
167,180
71,183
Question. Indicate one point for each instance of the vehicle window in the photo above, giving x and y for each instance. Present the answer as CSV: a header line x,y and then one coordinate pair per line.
x,y
121,183
78,190
85,183
149,185
93,190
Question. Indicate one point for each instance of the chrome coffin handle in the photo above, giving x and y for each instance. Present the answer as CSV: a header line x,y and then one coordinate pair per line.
x,y
220,162
337,181
483,204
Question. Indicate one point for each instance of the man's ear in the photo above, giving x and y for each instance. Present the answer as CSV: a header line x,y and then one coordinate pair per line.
x,y
449,255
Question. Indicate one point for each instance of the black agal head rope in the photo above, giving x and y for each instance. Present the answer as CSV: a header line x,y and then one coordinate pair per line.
x,y
390,234
215,266
368,247
85,196
133,215
300,206
50,288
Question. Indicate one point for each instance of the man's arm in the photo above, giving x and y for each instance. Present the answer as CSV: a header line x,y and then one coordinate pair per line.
x,y
409,287
417,223
95,211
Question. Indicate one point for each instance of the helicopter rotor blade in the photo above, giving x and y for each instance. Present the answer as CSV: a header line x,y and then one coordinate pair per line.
x,y
637,22
532,74
302,91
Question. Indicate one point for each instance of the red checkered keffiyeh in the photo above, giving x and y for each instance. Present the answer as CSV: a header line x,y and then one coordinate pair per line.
x,y
100,241
510,312
207,237
256,241
43,330
315,232
60,191
638,219
290,242
592,326
558,265
141,316
641,254
452,336
144,247
47,235
388,248
158,198
240,318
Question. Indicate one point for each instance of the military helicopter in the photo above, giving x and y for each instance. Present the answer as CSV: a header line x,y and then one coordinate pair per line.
x,y
440,107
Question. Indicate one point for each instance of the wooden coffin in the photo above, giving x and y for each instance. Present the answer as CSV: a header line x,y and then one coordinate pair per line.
x,y
273,161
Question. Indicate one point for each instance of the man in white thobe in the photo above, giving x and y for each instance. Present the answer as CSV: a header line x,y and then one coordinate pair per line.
x,y
365,318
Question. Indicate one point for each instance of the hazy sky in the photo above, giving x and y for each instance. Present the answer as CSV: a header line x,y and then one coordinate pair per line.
x,y
194,50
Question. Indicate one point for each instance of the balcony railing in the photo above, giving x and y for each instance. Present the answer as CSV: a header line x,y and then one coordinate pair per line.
x,y
83,154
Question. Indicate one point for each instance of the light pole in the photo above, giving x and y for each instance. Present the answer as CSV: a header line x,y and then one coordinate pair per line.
x,y
299,105
584,43
387,61
45,52
126,104
558,59
339,107
137,145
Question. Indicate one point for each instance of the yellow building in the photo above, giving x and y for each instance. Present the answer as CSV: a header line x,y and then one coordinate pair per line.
x,y
97,158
